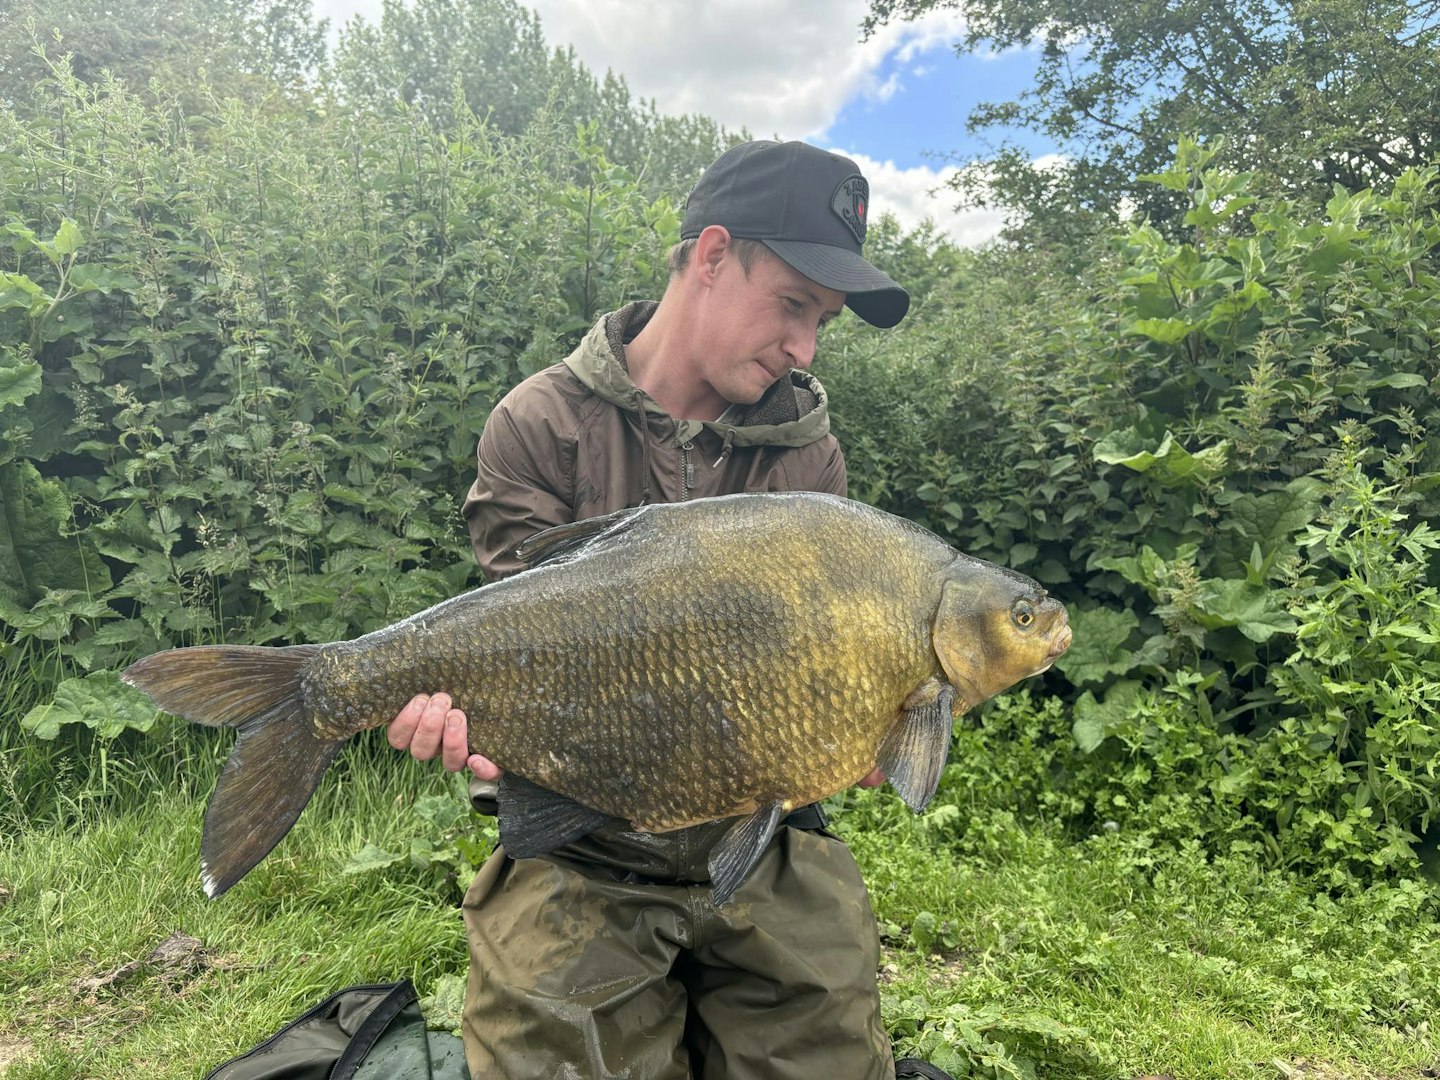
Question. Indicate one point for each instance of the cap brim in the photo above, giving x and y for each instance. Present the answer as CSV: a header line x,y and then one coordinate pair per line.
x,y
868,292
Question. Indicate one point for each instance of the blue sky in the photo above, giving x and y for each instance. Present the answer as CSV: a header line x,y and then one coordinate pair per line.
x,y
923,119
798,69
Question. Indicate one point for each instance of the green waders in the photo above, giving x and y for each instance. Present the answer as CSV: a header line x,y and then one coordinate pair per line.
x,y
608,959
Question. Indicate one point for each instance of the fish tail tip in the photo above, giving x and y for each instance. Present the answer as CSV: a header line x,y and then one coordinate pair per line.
x,y
214,885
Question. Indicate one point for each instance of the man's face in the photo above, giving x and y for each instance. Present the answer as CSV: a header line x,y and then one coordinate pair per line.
x,y
759,326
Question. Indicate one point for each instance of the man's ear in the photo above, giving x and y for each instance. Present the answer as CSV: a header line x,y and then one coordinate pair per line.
x,y
710,249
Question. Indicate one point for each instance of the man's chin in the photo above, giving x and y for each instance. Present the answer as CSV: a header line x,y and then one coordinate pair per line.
x,y
756,392
746,395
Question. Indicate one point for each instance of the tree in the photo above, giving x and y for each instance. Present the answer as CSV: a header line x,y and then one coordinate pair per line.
x,y
245,47
1310,92
493,50
490,58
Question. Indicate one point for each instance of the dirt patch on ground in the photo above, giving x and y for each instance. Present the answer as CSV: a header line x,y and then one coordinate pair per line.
x,y
945,968
1302,1069
179,956
12,1051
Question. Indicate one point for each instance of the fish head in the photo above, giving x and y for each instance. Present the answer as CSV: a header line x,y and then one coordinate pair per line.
x,y
994,627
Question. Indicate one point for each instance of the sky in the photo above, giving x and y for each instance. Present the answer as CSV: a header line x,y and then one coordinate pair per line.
x,y
797,69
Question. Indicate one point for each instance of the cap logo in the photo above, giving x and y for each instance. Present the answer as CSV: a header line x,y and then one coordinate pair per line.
x,y
851,202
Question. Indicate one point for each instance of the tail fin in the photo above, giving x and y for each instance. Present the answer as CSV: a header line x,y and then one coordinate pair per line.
x,y
278,760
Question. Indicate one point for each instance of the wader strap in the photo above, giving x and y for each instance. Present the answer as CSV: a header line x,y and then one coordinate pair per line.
x,y
908,1067
808,818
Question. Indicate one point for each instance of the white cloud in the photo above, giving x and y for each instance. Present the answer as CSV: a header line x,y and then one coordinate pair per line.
x,y
915,194
886,90
776,67
781,68
339,12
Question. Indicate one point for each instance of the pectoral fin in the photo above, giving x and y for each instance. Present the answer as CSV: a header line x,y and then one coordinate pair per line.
x,y
534,820
914,752
568,539
740,849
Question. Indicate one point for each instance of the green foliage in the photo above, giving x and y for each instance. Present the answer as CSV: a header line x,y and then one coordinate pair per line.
x,y
48,574
452,841
448,62
988,1041
1116,953
489,56
1218,458
1317,92
252,47
100,701
1360,743
245,359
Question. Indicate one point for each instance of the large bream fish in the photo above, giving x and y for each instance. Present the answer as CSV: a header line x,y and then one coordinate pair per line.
x,y
670,665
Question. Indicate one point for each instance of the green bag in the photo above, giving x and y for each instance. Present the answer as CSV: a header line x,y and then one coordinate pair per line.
x,y
371,1032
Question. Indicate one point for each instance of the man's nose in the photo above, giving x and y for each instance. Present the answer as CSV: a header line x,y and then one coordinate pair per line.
x,y
801,350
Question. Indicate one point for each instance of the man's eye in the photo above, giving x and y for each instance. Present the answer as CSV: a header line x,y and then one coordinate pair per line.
x,y
793,304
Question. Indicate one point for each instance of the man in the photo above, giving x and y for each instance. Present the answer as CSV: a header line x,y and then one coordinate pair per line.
x,y
607,957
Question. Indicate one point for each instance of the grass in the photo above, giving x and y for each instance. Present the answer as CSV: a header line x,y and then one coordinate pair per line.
x,y
1152,963
1007,942
101,885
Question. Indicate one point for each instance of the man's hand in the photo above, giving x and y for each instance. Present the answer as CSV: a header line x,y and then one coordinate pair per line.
x,y
428,725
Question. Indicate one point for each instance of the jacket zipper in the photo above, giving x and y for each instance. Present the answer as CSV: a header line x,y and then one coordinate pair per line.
x,y
687,470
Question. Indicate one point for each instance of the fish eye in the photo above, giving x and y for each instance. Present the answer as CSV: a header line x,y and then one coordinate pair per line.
x,y
1023,614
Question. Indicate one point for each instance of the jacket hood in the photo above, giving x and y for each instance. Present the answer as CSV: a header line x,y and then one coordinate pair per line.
x,y
793,412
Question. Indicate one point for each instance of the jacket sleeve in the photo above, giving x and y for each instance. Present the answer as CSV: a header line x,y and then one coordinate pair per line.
x,y
819,466
833,479
521,486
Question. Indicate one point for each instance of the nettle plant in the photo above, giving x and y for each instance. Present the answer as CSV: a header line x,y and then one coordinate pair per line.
x,y
245,356
1157,441
1348,766
1287,547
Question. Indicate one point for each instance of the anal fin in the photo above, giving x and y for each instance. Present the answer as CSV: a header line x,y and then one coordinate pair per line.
x,y
534,820
914,752
740,849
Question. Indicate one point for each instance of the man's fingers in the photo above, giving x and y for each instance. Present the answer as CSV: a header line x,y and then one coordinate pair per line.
x,y
484,768
456,746
430,731
402,728
874,779
428,726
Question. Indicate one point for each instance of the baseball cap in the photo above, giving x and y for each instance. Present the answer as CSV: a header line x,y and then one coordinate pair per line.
x,y
809,207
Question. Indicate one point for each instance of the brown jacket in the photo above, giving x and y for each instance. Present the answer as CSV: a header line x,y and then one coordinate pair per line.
x,y
580,439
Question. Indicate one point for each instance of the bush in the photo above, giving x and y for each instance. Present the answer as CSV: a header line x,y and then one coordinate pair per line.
x,y
1215,452
244,357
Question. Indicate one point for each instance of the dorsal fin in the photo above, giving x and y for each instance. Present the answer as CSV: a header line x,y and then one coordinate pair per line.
x,y
567,539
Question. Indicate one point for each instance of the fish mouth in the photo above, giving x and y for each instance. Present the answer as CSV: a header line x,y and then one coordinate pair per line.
x,y
1057,649
1060,644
